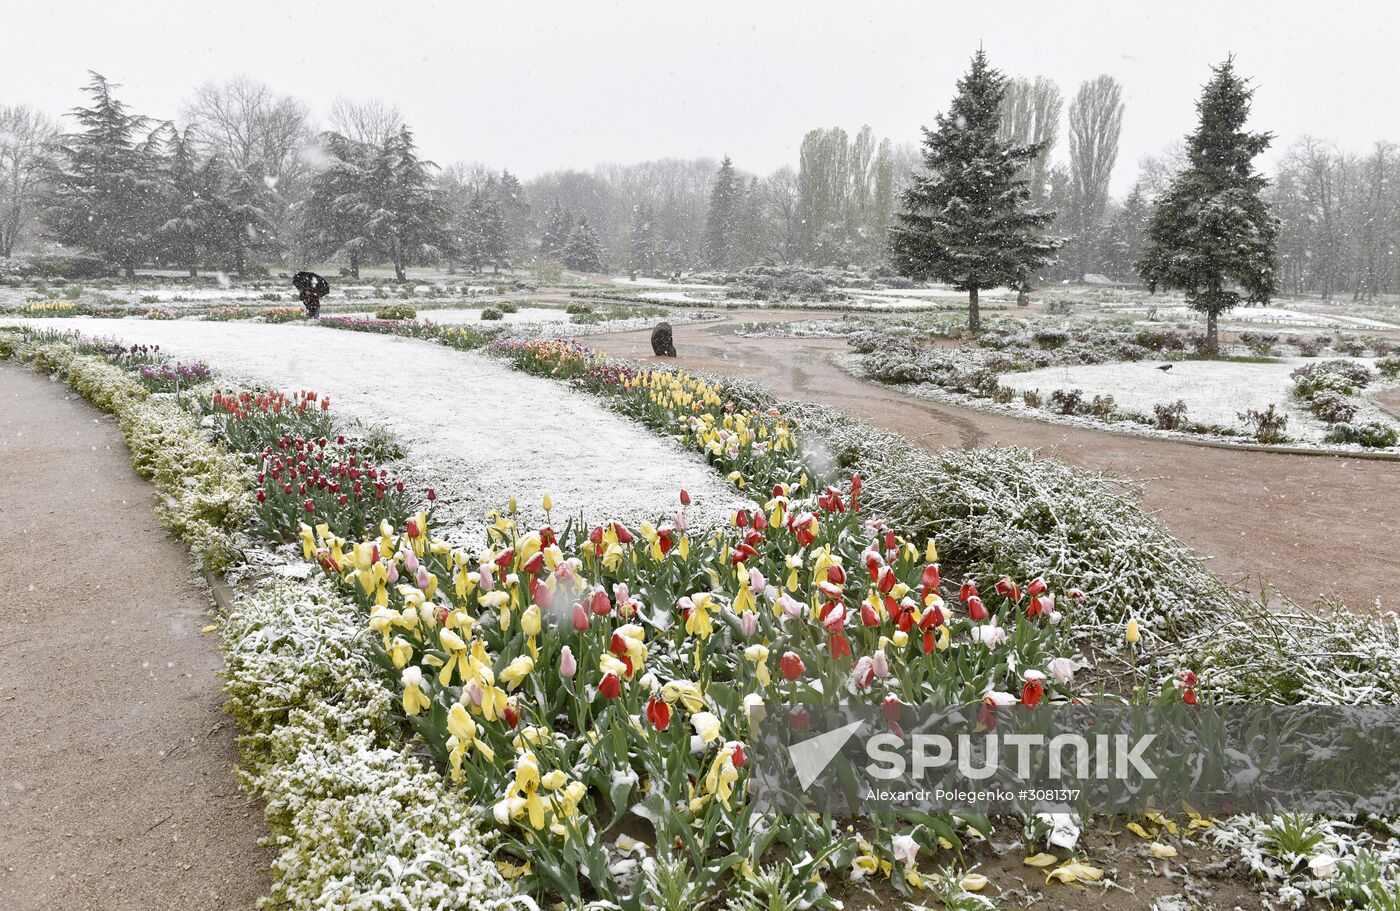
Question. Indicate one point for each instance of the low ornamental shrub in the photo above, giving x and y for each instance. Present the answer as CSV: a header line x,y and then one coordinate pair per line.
x,y
1389,366
491,313
1170,415
1050,339
1332,407
1259,343
1372,435
1340,376
395,312
1067,401
1267,426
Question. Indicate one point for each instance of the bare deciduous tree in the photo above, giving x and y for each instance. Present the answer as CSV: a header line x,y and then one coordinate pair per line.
x,y
253,129
25,135
1095,123
371,122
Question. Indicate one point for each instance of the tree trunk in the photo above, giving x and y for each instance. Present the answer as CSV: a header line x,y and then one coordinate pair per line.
x,y
355,266
1023,295
194,271
399,271
129,269
974,316
1212,333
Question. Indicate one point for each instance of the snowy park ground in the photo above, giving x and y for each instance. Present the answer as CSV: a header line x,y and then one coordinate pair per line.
x,y
478,431
1215,392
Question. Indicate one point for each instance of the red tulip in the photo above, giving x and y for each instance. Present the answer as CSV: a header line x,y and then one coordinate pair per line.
x,y
511,715
623,535
580,618
611,687
791,665
504,559
432,495
738,757
601,605
1189,696
891,707
535,563
868,617
543,597
309,506
930,578
685,497
835,575
976,609
1032,692
1037,586
1009,589
840,646
658,713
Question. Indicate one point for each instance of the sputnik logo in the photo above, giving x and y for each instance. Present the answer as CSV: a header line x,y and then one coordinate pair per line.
x,y
810,757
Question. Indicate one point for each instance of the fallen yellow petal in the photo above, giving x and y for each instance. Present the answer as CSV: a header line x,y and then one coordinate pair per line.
x,y
974,882
1157,849
1041,860
1075,871
1140,832
210,628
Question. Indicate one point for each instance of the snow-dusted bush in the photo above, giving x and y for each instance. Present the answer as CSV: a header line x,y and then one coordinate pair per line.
x,y
1371,434
1389,366
1170,415
360,822
1333,407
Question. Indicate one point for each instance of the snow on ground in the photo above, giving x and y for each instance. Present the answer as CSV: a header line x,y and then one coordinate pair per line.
x,y
643,282
475,429
1215,392
455,315
1281,316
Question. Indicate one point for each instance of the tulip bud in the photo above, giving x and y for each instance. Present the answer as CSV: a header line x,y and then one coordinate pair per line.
x,y
748,623
548,502
580,616
685,497
1133,633
568,665
976,609
611,686
791,665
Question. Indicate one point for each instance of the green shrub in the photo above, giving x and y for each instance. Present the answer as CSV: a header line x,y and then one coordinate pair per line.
x,y
491,313
395,311
1372,435
576,308
508,307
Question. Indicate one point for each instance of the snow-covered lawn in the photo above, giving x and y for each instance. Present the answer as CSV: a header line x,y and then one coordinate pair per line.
x,y
1215,392
1281,316
470,315
479,431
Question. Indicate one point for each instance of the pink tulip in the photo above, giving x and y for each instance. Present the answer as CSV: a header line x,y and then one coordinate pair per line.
x,y
568,665
748,622
424,578
580,618
880,664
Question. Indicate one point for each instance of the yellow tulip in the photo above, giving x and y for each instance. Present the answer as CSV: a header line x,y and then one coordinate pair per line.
x,y
1134,634
517,671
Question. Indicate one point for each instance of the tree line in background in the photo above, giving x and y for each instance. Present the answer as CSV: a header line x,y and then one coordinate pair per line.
x,y
243,178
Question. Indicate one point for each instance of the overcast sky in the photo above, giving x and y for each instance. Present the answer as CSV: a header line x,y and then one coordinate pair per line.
x,y
535,86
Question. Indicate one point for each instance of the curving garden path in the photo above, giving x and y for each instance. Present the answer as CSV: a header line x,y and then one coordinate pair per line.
x,y
1301,526
117,785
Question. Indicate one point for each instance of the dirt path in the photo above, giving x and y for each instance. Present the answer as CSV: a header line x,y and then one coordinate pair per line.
x,y
1301,525
117,764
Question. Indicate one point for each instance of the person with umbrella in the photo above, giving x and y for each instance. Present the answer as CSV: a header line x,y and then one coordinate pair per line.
x,y
312,288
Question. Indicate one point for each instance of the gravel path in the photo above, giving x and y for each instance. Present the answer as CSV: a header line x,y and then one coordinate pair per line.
x,y
1299,525
117,784
476,430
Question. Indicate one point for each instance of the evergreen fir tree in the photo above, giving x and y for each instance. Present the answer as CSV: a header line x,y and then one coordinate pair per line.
x,y
968,220
107,196
407,220
642,241
485,236
582,252
245,227
1211,234
558,227
188,211
333,218
1122,242
515,215
722,220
